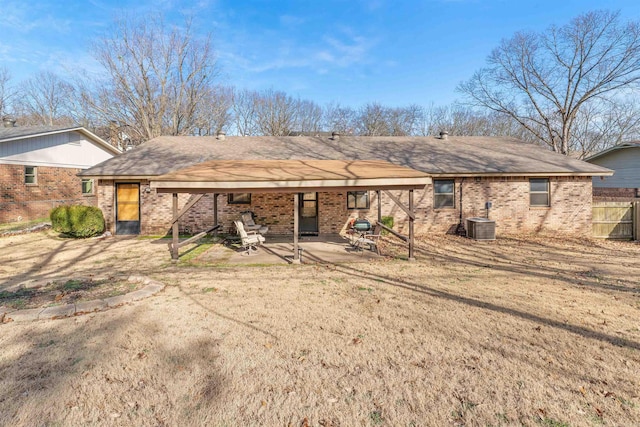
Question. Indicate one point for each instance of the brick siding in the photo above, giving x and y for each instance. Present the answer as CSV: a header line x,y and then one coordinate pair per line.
x,y
569,211
55,187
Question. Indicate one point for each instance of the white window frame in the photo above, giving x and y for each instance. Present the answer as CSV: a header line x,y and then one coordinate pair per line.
x,y
451,205
33,175
537,192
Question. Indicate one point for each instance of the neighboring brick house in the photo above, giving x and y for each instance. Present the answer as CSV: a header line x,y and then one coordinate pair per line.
x,y
529,188
39,167
624,185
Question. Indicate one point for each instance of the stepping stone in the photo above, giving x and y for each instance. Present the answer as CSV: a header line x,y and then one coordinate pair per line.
x,y
23,315
58,311
90,306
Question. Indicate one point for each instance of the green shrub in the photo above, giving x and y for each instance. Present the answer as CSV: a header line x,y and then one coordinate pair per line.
x,y
77,220
388,221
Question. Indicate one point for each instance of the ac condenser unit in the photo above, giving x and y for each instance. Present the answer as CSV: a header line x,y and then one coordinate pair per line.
x,y
481,229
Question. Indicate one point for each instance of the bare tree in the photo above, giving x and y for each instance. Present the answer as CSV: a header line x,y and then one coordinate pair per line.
x,y
6,92
602,124
243,105
543,80
372,120
276,113
339,119
213,113
309,117
156,77
404,121
45,99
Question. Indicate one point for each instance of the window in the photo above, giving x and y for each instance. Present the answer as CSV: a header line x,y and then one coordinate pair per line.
x,y
539,192
357,200
87,186
30,175
239,198
443,193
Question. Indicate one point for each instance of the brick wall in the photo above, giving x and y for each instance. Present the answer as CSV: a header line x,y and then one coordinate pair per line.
x,y
570,210
55,186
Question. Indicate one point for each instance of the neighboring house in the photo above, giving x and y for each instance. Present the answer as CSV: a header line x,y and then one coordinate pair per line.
x,y
624,159
39,167
441,180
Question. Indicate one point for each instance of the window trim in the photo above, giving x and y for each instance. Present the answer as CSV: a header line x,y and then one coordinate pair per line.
x,y
355,197
452,194
231,201
34,175
547,192
92,192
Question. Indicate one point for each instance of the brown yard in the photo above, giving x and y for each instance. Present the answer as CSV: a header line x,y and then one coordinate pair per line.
x,y
538,331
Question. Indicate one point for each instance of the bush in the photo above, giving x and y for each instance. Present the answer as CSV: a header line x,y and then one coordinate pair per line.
x,y
77,220
388,221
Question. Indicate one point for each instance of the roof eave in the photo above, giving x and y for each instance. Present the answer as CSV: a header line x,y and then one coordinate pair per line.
x,y
289,186
524,174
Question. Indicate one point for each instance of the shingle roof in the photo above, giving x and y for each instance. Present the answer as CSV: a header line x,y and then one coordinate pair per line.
x,y
454,156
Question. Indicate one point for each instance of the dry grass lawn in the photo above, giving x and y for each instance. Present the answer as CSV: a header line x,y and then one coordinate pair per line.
x,y
521,331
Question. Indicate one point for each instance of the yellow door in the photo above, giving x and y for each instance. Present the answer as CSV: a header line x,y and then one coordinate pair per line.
x,y
128,208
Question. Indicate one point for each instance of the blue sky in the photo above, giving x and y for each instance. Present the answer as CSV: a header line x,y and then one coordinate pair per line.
x,y
352,52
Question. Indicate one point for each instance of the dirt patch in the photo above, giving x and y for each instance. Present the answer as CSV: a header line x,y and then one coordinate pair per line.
x,y
520,331
64,291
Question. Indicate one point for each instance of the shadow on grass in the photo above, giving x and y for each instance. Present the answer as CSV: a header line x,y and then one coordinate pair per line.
x,y
65,373
482,261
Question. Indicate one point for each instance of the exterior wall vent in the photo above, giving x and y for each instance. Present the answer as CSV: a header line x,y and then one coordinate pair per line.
x,y
481,229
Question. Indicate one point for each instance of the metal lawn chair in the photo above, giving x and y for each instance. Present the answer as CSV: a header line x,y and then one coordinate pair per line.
x,y
250,240
250,225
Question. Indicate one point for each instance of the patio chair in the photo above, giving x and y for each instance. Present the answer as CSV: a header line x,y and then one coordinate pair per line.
x,y
250,225
250,240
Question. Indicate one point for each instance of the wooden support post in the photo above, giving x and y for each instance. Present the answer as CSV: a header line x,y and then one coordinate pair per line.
x,y
411,223
174,246
636,220
215,213
296,226
378,193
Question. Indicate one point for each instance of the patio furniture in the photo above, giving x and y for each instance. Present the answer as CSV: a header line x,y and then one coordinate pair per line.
x,y
250,225
370,239
250,240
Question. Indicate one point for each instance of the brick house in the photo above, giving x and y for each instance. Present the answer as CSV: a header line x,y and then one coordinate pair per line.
x,y
39,167
624,185
325,181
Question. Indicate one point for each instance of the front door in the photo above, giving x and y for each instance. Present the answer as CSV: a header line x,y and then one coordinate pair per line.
x,y
308,213
127,208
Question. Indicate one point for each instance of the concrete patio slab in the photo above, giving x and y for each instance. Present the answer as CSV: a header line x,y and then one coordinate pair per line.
x,y
279,250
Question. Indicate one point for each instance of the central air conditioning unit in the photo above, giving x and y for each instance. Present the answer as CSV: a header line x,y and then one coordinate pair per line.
x,y
481,229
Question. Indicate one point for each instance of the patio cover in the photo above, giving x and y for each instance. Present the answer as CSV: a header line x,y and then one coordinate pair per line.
x,y
289,176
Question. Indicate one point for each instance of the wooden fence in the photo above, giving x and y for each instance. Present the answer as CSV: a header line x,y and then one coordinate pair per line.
x,y
616,220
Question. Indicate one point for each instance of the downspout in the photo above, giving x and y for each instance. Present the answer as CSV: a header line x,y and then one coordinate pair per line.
x,y
460,231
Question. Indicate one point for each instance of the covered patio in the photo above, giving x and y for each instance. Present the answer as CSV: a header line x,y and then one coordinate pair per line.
x,y
290,177
278,249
